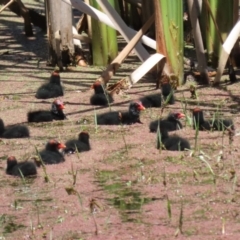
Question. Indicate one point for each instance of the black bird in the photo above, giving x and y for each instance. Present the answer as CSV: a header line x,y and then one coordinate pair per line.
x,y
171,123
217,124
56,113
38,19
20,169
98,87
100,97
171,143
232,74
17,131
223,124
115,118
199,121
52,89
152,100
81,144
51,154
167,92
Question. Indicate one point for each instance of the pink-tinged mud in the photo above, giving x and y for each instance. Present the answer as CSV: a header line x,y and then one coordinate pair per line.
x,y
136,191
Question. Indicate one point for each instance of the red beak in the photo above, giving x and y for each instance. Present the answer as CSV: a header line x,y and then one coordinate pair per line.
x,y
141,107
61,106
55,73
61,145
181,115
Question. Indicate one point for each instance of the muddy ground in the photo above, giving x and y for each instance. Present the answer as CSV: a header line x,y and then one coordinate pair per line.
x,y
139,192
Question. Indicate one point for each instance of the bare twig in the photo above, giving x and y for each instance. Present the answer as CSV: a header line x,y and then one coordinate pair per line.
x,y
115,64
5,6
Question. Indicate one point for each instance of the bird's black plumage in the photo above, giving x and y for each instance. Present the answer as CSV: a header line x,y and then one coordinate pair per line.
x,y
81,144
56,113
232,74
152,100
115,118
171,123
51,154
98,87
17,131
37,19
52,89
216,124
20,169
171,143
223,124
167,92
199,122
100,97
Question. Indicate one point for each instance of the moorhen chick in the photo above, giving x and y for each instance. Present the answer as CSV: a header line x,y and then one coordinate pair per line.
x,y
115,118
171,123
17,131
152,100
171,143
81,144
199,121
215,124
167,92
52,89
56,113
223,124
100,97
232,74
20,169
51,154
